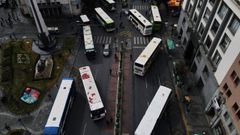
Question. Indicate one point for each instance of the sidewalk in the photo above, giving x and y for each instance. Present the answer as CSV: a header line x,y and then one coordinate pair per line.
x,y
192,112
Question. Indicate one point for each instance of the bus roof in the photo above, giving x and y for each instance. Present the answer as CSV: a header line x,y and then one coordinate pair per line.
x,y
110,1
153,112
58,107
94,99
104,15
84,18
147,52
140,17
155,13
87,35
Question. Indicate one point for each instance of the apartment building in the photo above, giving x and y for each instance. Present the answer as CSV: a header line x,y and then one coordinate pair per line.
x,y
210,34
52,7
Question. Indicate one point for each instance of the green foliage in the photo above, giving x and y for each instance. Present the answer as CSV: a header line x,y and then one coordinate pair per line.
x,y
7,52
17,76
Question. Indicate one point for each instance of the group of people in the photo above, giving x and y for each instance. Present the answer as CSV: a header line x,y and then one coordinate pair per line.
x,y
9,20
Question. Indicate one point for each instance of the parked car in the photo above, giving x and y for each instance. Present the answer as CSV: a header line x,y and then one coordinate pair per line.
x,y
53,30
124,3
106,49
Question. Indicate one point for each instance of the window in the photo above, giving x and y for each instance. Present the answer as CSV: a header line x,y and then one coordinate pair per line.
x,y
227,90
238,114
228,93
235,107
215,27
199,56
222,11
184,21
233,75
201,29
184,41
233,27
206,15
225,87
194,67
190,8
237,81
195,18
200,4
208,42
226,116
216,58
230,127
205,73
225,43
212,2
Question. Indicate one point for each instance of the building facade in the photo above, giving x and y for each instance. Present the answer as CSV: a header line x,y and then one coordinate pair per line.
x,y
52,7
210,34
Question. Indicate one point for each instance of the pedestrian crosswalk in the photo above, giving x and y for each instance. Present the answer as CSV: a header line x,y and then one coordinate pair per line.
x,y
141,40
136,40
140,7
102,39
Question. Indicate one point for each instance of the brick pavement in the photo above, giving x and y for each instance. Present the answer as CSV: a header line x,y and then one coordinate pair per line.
x,y
111,98
127,93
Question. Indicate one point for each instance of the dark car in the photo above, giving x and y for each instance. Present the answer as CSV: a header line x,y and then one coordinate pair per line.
x,y
124,3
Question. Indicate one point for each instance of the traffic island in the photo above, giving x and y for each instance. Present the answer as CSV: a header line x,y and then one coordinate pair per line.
x,y
118,105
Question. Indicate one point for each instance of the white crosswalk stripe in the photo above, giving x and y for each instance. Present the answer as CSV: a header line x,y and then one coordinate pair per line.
x,y
102,39
140,7
144,40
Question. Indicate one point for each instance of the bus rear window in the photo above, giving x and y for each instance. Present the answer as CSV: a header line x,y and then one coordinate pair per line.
x,y
148,26
139,65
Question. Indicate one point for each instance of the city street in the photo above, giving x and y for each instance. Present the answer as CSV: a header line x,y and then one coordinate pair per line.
x,y
140,90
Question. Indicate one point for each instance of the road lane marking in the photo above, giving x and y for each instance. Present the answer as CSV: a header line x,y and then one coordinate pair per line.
x,y
138,47
159,80
85,125
110,40
146,83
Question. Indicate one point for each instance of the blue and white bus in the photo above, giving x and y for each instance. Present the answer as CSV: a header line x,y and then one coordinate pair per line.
x,y
62,104
97,109
154,111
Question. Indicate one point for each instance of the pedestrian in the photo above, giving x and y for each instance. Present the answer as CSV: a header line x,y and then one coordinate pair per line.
x,y
7,126
110,71
115,56
111,119
107,122
130,56
2,24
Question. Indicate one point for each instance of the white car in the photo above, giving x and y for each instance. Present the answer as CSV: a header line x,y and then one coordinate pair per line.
x,y
106,49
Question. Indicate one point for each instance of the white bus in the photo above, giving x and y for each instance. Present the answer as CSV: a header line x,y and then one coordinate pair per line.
x,y
62,104
97,110
104,19
145,59
140,22
155,18
154,112
109,4
90,51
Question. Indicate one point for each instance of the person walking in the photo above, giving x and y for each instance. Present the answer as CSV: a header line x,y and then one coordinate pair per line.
x,y
110,71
